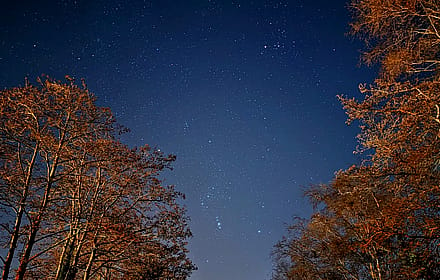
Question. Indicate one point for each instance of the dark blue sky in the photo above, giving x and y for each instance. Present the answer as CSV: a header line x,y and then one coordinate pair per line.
x,y
243,92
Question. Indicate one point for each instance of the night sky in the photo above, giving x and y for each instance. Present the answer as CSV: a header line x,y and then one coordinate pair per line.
x,y
243,92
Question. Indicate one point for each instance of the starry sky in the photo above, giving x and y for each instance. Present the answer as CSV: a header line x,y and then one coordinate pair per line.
x,y
243,92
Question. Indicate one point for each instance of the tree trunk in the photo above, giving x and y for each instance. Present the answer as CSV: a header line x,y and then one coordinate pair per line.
x,y
36,225
91,258
66,257
13,243
19,216
89,264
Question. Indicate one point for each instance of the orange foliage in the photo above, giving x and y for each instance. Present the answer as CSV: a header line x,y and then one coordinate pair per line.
x,y
77,203
379,219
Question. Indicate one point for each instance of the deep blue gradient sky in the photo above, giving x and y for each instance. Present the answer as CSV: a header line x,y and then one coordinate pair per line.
x,y
243,92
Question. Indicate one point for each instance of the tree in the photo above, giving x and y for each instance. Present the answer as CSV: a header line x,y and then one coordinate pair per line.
x,y
379,219
77,202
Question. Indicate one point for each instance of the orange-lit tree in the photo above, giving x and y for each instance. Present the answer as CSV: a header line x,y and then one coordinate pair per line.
x,y
380,219
75,202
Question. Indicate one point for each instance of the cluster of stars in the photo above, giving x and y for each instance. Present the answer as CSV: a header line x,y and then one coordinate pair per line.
x,y
236,89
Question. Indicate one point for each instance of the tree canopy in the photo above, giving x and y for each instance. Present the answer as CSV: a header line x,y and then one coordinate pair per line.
x,y
76,202
379,219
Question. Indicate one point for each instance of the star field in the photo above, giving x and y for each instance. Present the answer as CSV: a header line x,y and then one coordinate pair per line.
x,y
243,92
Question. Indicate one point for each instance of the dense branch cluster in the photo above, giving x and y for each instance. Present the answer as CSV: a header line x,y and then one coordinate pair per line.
x,y
380,219
75,202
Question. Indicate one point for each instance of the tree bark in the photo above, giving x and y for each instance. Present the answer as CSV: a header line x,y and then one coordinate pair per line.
x,y
19,216
36,224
